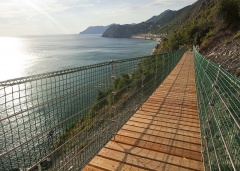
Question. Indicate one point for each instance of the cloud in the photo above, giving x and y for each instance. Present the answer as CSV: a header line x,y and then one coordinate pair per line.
x,y
70,16
31,15
23,8
168,2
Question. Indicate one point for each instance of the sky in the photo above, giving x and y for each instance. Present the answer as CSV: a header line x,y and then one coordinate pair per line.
x,y
43,17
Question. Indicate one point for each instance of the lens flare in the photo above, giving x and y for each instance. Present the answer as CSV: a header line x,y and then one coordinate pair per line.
x,y
12,57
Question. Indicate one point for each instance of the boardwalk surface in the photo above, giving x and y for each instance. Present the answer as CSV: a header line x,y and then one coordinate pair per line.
x,y
164,134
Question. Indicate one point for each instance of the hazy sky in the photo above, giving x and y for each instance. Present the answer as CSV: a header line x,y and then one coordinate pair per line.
x,y
37,17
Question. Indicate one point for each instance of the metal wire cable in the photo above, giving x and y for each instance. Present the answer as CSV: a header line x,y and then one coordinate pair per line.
x,y
219,112
59,120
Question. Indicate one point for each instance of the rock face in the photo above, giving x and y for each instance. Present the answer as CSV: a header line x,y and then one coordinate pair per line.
x,y
95,30
226,54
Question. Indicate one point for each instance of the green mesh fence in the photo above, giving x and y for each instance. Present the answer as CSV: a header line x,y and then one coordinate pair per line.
x,y
60,120
218,94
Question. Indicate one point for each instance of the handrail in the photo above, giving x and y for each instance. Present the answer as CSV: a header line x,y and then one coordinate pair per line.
x,y
59,120
218,95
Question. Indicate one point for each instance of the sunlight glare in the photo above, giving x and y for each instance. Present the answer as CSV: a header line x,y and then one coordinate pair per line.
x,y
44,10
12,57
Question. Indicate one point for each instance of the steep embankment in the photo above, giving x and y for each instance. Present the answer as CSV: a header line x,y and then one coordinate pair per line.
x,y
214,26
226,53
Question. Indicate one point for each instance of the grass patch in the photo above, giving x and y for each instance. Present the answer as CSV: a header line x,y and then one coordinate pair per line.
x,y
237,36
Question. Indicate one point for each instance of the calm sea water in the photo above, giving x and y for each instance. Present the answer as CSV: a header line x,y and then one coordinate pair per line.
x,y
24,56
29,55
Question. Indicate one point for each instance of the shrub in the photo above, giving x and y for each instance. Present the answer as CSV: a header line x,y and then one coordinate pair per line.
x,y
236,36
238,72
229,10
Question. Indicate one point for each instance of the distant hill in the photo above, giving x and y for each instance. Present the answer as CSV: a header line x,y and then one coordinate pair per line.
x,y
213,25
95,30
156,25
126,31
168,14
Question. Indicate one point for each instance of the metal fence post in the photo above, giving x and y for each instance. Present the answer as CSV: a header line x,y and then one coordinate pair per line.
x,y
156,73
219,107
60,120
142,81
168,61
113,94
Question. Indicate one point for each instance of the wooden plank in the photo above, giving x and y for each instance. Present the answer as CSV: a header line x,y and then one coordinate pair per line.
x,y
137,160
180,124
154,145
159,117
160,140
164,134
110,164
167,113
163,128
170,109
155,155
158,133
169,125
177,104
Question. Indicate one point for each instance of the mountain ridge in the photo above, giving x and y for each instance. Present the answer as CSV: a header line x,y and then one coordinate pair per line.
x,y
95,29
156,25
210,24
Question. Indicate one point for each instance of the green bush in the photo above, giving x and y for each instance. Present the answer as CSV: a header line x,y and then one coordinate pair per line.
x,y
238,72
230,11
236,36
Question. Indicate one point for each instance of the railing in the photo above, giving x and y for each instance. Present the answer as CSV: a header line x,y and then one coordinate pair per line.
x,y
60,120
218,95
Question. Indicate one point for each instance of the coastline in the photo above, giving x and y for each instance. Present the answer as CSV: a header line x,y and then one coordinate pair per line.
x,y
149,36
154,37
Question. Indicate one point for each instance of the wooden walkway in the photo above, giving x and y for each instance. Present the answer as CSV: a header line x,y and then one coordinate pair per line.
x,y
164,134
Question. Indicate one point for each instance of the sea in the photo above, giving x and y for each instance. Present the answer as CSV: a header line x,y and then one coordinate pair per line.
x,y
25,110
29,55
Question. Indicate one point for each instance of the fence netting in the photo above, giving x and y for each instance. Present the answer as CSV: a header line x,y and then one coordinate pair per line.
x,y
218,94
60,120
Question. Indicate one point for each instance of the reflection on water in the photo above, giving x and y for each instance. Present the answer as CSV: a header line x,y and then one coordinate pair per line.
x,y
29,55
30,110
13,57
34,115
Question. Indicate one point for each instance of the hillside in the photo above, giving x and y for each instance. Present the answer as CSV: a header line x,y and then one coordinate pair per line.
x,y
213,25
126,31
95,30
156,25
163,16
